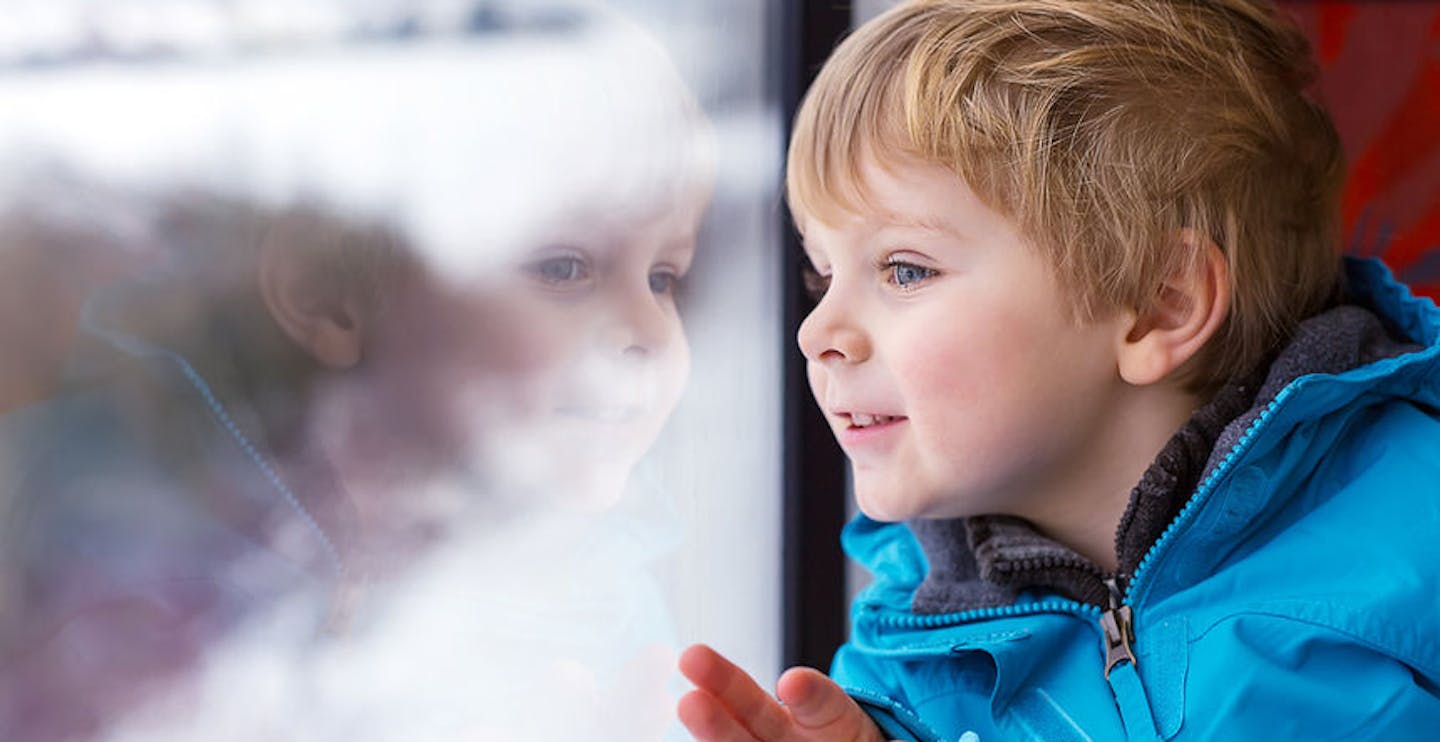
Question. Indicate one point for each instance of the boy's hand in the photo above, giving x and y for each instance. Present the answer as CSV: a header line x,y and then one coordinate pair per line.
x,y
728,706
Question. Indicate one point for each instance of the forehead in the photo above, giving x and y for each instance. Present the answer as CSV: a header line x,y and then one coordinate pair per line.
x,y
598,125
895,191
600,218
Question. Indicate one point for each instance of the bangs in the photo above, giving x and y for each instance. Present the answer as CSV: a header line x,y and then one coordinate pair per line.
x,y
887,94
854,109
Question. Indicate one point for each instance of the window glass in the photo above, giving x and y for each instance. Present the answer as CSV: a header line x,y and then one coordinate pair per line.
x,y
383,369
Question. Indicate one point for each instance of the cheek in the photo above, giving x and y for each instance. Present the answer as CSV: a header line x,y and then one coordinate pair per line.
x,y
973,392
533,334
449,338
995,350
947,370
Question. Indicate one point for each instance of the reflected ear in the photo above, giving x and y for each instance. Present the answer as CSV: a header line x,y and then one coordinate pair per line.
x,y
311,303
1186,312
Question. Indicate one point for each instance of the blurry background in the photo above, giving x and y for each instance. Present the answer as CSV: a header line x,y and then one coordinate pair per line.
x,y
1380,78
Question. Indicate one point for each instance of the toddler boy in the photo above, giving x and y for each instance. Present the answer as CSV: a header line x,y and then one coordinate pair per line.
x,y
1139,455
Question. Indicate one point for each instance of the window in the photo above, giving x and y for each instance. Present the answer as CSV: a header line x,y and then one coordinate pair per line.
x,y
387,366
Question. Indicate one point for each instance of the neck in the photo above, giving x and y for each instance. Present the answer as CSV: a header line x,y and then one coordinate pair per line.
x,y
1086,509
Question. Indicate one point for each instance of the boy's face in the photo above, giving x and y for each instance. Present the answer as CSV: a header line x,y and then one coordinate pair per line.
x,y
945,357
608,286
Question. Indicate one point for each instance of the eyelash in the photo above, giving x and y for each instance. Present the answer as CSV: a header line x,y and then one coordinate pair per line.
x,y
674,281
670,280
816,284
892,266
538,270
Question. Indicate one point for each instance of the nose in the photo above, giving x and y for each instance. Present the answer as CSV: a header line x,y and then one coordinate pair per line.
x,y
830,334
637,324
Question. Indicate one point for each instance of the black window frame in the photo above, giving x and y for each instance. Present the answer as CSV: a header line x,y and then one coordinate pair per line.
x,y
814,479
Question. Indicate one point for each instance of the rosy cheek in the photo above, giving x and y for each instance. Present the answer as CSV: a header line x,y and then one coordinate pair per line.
x,y
945,373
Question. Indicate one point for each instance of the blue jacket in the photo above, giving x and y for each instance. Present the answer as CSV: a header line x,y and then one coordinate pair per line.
x,y
1296,596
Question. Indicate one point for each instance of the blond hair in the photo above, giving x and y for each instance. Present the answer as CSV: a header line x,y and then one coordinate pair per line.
x,y
1104,129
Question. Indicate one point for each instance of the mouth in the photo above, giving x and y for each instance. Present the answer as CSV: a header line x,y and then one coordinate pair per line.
x,y
865,421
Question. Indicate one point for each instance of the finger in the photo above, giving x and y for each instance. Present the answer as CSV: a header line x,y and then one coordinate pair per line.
x,y
708,721
816,702
736,691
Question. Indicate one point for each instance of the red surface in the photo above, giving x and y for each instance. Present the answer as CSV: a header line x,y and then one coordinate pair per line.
x,y
1380,78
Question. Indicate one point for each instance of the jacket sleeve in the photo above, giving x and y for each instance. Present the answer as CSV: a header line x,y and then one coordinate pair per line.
x,y
880,698
1300,681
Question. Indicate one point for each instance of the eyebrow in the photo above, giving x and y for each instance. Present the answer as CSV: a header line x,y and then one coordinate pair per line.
x,y
686,247
928,224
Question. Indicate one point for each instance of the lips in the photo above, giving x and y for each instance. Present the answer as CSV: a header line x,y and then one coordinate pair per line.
x,y
866,420
868,435
855,416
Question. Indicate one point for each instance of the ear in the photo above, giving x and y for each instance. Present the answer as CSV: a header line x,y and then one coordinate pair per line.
x,y
1189,308
310,302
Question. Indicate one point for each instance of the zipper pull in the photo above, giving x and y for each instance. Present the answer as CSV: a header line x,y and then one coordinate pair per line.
x,y
1119,627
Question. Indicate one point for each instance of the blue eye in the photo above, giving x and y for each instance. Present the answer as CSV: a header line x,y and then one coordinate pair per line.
x,y
559,270
664,282
908,275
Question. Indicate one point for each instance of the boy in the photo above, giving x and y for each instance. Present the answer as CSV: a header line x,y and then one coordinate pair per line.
x,y
1138,455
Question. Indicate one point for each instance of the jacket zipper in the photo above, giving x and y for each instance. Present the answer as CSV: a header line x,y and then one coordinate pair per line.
x,y
1049,605
1118,623
1207,487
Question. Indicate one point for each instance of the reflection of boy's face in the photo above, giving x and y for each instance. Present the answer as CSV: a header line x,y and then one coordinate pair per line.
x,y
537,350
607,291
556,378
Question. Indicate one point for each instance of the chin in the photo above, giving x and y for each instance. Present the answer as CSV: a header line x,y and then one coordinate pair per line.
x,y
588,487
888,507
891,505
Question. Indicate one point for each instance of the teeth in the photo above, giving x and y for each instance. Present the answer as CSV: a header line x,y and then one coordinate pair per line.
x,y
862,420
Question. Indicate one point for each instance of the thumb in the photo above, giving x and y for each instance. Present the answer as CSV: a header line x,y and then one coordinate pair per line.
x,y
817,703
